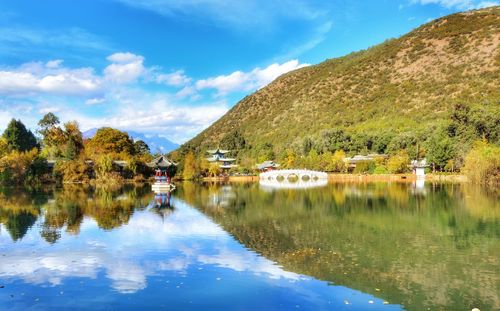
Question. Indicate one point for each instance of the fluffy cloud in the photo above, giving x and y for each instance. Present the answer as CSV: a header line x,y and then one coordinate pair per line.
x,y
459,4
125,67
155,114
247,81
95,101
36,79
177,78
33,89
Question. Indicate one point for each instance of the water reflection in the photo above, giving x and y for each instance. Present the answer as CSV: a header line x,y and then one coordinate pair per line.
x,y
216,246
87,248
431,247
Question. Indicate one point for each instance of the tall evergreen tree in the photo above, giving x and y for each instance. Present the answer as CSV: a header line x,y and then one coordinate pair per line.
x,y
18,137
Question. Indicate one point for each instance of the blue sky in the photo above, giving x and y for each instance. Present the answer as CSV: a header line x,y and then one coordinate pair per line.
x,y
172,67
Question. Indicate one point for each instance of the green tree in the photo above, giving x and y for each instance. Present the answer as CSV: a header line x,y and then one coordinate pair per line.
x,y
73,140
233,141
440,148
141,148
18,137
47,124
103,166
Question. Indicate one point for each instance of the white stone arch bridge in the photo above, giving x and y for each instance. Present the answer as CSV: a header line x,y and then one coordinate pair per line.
x,y
293,179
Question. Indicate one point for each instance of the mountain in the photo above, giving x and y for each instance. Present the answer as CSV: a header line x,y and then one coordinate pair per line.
x,y
156,143
405,86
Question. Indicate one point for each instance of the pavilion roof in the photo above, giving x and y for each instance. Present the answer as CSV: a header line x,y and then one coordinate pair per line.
x,y
222,151
161,162
217,159
267,164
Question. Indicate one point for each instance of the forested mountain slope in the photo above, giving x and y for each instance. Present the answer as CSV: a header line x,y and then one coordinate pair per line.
x,y
437,82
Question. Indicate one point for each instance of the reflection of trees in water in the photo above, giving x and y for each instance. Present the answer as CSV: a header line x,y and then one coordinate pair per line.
x,y
435,250
19,211
67,207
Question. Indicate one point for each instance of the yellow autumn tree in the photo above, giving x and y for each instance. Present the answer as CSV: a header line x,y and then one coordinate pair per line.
x,y
189,171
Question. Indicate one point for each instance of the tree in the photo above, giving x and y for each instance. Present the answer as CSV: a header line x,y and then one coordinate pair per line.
x,y
203,165
18,137
482,164
73,140
214,169
103,166
233,141
440,148
4,147
189,171
337,163
47,124
110,141
398,163
289,161
141,148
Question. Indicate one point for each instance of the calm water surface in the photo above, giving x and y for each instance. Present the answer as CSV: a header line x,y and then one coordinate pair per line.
x,y
245,247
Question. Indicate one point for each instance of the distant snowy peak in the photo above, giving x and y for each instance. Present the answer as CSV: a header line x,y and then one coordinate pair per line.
x,y
156,143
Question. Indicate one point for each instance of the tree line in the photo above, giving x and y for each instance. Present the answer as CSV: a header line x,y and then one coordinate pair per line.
x,y
468,141
24,156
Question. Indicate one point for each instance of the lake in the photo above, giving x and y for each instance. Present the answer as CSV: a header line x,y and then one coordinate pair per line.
x,y
352,246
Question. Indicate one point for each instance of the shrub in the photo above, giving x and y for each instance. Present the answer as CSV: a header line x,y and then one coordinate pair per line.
x,y
482,164
398,163
364,167
72,171
380,170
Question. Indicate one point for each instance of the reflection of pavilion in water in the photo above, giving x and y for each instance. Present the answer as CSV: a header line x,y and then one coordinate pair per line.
x,y
161,204
221,198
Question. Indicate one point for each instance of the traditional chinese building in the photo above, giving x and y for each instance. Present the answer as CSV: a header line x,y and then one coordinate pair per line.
x,y
164,169
267,166
218,156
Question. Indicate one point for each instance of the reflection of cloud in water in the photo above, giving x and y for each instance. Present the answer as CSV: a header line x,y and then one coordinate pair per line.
x,y
247,261
127,277
118,252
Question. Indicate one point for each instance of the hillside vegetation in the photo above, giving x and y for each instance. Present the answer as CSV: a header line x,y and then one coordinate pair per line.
x,y
435,86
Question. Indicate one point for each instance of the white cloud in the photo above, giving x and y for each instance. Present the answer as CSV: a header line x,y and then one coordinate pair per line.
x,y
54,63
247,81
186,91
177,78
126,67
458,4
95,101
35,88
155,114
58,82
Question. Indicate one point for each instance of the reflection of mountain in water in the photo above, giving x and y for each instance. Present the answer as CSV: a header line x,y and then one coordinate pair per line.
x,y
437,250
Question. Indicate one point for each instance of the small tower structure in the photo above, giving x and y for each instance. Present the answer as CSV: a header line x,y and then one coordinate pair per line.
x,y
218,156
